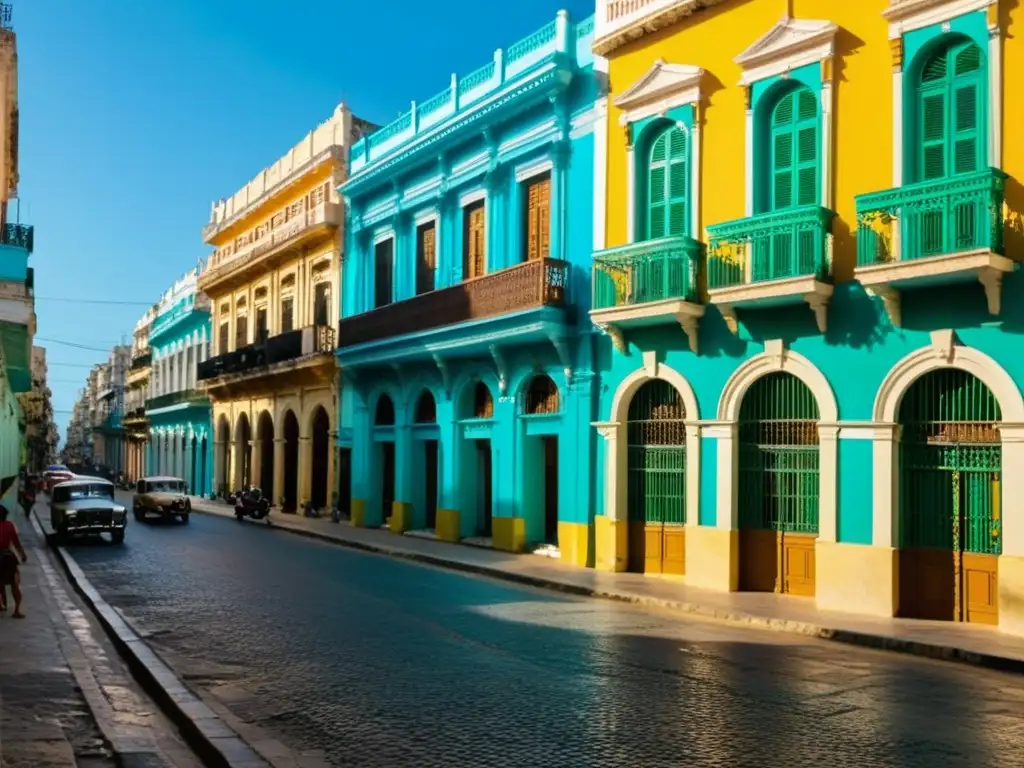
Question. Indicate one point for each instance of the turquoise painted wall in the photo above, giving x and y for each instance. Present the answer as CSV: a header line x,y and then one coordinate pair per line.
x,y
196,421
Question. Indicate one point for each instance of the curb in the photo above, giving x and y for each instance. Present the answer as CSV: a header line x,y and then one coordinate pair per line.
x,y
836,635
211,738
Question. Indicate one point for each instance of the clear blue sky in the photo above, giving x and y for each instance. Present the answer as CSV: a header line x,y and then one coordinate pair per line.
x,y
136,114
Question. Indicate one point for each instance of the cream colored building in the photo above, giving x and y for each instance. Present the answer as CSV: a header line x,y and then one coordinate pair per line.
x,y
273,284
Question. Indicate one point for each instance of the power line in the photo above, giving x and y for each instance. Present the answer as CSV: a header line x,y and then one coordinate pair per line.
x,y
71,365
97,301
76,346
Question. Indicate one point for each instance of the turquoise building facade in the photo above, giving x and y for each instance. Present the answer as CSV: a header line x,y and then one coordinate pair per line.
x,y
464,343
179,415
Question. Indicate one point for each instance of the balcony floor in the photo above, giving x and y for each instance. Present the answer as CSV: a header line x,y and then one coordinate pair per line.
x,y
315,369
614,320
774,293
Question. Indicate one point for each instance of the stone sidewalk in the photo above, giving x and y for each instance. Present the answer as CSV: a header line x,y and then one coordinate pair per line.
x,y
973,644
64,700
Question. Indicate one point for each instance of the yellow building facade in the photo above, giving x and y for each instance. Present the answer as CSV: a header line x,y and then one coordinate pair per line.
x,y
836,184
273,284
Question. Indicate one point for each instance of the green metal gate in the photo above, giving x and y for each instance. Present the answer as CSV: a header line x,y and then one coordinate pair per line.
x,y
951,464
657,455
778,456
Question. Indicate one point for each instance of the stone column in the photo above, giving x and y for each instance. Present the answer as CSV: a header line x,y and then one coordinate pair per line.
x,y
186,474
332,469
278,469
219,447
305,467
257,462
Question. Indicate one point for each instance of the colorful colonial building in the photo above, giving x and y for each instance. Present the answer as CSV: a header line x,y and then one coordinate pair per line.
x,y
808,283
136,425
273,282
178,413
464,342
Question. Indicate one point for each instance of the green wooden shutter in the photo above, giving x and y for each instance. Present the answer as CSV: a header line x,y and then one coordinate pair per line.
x,y
794,144
951,100
667,185
782,154
807,148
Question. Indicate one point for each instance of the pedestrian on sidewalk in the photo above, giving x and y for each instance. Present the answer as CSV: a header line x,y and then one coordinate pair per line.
x,y
9,575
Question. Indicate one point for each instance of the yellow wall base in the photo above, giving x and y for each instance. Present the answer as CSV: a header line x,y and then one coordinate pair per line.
x,y
610,544
856,578
1011,594
508,533
358,516
447,525
712,558
574,543
401,517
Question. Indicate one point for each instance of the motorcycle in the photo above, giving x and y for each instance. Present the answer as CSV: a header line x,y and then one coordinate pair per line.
x,y
251,503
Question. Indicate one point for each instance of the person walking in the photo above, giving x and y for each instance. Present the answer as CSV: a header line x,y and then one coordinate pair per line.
x,y
9,575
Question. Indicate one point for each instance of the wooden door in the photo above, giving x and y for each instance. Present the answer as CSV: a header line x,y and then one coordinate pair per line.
x,y
980,588
798,564
430,472
537,222
426,258
473,252
551,489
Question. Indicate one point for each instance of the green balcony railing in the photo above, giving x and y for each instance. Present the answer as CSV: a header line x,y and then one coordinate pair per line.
x,y
770,246
931,218
655,270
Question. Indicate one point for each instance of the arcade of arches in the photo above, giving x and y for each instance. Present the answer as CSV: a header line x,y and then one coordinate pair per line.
x,y
285,451
937,537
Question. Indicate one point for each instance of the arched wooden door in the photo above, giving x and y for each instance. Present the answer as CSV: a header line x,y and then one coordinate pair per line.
x,y
778,486
950,479
656,433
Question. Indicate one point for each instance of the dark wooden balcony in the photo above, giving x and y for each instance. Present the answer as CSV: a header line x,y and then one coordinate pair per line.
x,y
291,345
174,398
141,361
531,285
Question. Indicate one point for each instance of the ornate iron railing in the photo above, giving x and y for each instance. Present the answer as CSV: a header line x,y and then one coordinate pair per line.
x,y
931,218
770,246
174,398
530,285
19,235
291,345
655,270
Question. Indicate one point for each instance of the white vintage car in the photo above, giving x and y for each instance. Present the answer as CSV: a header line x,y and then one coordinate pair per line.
x,y
85,506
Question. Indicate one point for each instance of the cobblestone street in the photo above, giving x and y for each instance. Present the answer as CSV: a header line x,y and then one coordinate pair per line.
x,y
383,663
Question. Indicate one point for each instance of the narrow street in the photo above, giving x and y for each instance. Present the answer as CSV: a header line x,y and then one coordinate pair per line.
x,y
378,662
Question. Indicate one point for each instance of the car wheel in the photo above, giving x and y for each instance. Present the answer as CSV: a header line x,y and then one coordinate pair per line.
x,y
117,536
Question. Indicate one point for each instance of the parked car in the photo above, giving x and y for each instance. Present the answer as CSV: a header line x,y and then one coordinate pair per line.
x,y
55,473
85,506
161,496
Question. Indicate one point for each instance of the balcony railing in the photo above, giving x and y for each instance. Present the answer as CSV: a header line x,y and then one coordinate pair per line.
x,y
174,398
18,235
770,246
291,345
141,361
531,285
137,413
931,218
655,270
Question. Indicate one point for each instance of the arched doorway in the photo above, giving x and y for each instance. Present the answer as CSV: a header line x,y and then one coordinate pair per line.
x,y
243,451
265,437
540,456
321,457
477,459
290,499
656,479
224,458
778,485
427,461
384,416
950,487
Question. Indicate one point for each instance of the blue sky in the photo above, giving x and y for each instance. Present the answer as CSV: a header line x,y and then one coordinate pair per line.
x,y
136,114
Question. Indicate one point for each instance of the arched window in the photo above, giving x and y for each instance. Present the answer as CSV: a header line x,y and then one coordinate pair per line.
x,y
541,395
426,409
950,104
384,415
793,157
667,184
483,403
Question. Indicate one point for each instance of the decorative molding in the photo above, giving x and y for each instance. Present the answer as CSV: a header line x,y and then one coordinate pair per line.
x,y
890,298
790,44
943,343
650,358
616,335
609,430
500,367
907,15
658,90
896,53
561,346
767,362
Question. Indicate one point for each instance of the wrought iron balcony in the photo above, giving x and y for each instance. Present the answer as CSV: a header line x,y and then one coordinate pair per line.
x,y
531,285
291,345
931,233
175,398
141,361
771,259
18,235
655,270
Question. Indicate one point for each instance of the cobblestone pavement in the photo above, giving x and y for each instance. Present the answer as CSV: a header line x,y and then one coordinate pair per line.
x,y
376,662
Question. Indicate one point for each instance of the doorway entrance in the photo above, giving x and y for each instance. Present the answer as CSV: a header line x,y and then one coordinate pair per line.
x,y
484,509
321,457
950,485
265,437
430,467
290,495
550,489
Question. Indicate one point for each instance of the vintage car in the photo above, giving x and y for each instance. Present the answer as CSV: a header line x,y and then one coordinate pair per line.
x,y
55,473
85,506
161,496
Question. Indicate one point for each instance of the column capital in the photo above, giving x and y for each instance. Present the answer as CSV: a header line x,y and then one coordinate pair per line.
x,y
609,430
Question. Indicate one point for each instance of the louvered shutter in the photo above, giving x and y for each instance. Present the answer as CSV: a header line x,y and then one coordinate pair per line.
x,y
656,188
677,183
950,104
426,259
807,148
538,219
667,185
967,99
473,250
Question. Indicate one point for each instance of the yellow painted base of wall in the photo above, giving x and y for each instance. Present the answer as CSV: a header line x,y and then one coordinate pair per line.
x,y
712,558
508,534
358,516
574,543
401,517
447,525
856,578
611,542
1011,594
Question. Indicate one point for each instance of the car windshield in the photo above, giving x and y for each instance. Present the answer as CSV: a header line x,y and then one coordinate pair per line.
x,y
165,486
84,491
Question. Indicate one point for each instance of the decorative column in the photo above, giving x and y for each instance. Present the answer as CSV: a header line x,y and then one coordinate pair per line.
x,y
401,511
559,193
278,469
305,467
187,474
611,528
449,448
332,469
257,462
712,551
1010,516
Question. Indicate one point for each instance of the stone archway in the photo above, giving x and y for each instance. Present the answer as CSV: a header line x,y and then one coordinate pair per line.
x,y
320,429
290,492
265,443
243,451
